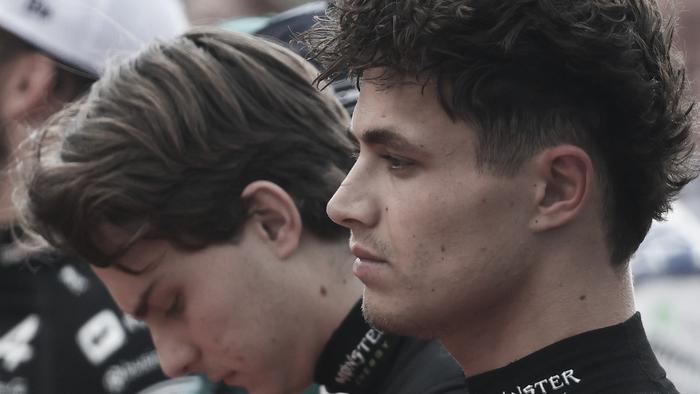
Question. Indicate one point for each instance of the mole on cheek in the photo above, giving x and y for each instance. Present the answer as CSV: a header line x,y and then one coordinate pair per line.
x,y
323,291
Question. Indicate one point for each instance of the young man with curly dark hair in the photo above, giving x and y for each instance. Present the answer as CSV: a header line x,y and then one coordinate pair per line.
x,y
512,156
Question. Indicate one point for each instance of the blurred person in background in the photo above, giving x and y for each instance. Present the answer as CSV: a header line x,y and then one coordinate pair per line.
x,y
215,156
667,265
211,12
60,332
688,40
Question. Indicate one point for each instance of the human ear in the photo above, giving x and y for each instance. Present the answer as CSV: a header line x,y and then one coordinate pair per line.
x,y
565,176
274,215
30,79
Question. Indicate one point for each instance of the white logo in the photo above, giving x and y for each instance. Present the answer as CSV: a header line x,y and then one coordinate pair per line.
x,y
360,356
118,377
101,336
74,280
15,347
554,382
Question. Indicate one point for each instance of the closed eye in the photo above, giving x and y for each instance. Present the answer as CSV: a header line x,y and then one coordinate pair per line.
x,y
176,307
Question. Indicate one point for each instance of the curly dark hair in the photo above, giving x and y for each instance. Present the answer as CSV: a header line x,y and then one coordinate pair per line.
x,y
529,74
164,144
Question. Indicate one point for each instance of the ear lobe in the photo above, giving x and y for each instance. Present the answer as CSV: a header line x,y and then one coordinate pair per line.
x,y
275,216
566,176
29,86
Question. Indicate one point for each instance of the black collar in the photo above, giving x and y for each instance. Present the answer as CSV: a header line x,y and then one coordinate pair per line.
x,y
356,357
615,359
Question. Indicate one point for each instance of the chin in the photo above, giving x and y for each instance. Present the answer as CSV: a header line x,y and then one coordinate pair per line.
x,y
396,320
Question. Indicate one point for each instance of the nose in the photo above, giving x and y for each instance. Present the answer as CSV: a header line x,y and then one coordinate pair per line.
x,y
176,354
352,204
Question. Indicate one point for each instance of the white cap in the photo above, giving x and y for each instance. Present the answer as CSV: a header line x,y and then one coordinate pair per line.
x,y
88,33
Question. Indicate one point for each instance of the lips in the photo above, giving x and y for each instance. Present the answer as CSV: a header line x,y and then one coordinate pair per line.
x,y
369,267
366,256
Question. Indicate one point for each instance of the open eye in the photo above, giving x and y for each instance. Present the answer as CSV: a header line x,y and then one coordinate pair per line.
x,y
397,163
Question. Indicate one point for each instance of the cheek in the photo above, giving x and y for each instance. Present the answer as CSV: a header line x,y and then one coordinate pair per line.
x,y
424,233
210,317
218,337
454,223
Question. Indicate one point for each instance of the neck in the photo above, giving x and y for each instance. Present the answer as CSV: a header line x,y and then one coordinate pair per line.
x,y
343,290
327,294
561,297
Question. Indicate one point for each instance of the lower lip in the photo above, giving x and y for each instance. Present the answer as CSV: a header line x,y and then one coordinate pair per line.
x,y
230,378
368,270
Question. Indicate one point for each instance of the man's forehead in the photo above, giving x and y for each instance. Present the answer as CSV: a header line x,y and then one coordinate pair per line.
x,y
403,106
399,93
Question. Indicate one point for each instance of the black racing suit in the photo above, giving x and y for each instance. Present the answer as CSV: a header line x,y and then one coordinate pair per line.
x,y
361,360
611,360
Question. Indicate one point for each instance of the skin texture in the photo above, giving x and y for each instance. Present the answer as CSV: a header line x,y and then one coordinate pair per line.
x,y
450,250
255,313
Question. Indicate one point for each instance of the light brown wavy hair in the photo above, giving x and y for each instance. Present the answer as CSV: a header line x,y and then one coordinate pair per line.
x,y
164,144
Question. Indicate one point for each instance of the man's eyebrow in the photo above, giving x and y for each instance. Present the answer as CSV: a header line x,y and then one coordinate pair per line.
x,y
390,139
